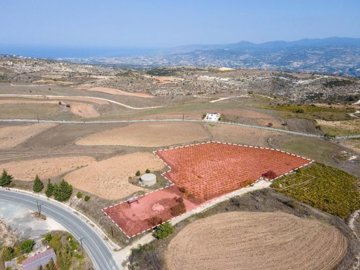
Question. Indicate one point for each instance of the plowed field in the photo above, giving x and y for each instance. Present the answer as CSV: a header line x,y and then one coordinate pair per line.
x,y
252,241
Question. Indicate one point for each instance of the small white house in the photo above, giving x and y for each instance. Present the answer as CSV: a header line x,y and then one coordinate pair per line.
x,y
212,117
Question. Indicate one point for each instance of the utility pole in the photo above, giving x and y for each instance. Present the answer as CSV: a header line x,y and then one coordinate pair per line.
x,y
38,207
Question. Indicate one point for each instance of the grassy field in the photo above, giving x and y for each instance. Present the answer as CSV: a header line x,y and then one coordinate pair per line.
x,y
326,188
340,128
327,113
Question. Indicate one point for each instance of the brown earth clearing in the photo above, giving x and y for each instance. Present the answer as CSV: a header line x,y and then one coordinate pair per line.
x,y
84,110
109,178
247,240
45,167
11,136
238,134
113,91
148,135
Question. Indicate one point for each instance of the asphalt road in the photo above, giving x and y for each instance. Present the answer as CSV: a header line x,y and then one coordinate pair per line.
x,y
93,244
157,120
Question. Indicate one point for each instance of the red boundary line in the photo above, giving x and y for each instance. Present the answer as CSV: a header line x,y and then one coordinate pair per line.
x,y
310,161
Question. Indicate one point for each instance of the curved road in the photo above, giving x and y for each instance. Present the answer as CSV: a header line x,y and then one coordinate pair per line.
x,y
94,245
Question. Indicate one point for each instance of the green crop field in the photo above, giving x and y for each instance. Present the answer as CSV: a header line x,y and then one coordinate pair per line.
x,y
323,187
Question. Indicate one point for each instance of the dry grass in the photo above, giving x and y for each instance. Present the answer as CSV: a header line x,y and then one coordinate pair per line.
x,y
248,240
45,167
237,134
148,135
347,127
12,136
109,178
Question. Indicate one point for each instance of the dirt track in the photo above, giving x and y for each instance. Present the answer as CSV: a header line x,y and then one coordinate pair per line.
x,y
252,241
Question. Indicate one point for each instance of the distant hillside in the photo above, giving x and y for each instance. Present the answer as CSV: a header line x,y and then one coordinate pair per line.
x,y
338,56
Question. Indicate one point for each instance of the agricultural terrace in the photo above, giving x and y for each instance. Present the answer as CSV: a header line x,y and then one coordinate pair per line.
x,y
200,172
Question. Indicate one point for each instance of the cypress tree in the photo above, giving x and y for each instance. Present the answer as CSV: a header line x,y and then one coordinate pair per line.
x,y
38,185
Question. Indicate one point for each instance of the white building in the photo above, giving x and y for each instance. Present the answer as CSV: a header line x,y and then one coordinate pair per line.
x,y
212,117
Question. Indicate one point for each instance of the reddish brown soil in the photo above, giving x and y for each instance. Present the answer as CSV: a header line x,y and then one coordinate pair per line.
x,y
200,172
147,211
213,169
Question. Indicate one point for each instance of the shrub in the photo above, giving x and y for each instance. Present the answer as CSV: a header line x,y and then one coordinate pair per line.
x,y
5,179
79,195
138,173
182,189
153,221
48,237
164,230
87,198
62,191
178,209
27,246
8,253
269,174
147,171
38,185
49,189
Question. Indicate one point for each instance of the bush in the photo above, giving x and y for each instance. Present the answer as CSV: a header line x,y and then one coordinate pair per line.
x,y
87,198
38,185
79,195
48,237
178,209
147,171
8,253
153,221
62,191
164,230
138,173
299,110
49,189
27,246
269,174
5,179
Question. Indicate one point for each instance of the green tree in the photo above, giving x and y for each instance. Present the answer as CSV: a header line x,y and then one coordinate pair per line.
x,y
147,171
138,173
49,189
62,191
27,246
38,185
163,230
5,179
87,198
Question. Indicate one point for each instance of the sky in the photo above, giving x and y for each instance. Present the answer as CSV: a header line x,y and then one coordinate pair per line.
x,y
168,23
